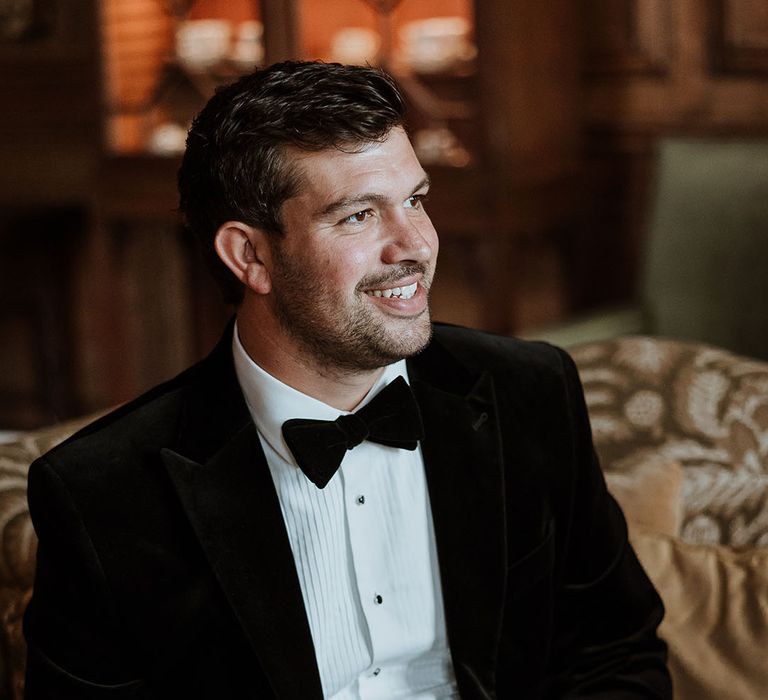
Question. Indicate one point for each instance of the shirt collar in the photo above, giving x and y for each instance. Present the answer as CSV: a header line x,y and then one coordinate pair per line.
x,y
272,402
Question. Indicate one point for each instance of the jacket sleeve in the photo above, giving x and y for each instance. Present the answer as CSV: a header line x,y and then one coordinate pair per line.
x,y
607,611
77,647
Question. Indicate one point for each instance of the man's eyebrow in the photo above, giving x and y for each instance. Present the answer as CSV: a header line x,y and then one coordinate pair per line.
x,y
349,202
426,182
365,198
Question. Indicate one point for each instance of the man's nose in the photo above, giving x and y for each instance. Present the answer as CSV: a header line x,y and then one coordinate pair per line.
x,y
410,241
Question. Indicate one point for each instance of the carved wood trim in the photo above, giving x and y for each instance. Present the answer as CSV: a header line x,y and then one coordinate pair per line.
x,y
731,53
281,40
628,36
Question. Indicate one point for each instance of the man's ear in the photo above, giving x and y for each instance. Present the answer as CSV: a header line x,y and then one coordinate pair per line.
x,y
245,250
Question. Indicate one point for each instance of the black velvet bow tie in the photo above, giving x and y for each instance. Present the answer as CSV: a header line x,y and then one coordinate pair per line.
x,y
391,418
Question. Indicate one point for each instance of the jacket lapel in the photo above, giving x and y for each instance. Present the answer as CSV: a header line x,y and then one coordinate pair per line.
x,y
463,462
223,482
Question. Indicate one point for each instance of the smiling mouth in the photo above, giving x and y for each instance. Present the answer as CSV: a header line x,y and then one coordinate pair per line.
x,y
406,292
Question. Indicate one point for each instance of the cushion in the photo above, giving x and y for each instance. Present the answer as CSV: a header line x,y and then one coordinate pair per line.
x,y
716,598
716,623
704,407
650,495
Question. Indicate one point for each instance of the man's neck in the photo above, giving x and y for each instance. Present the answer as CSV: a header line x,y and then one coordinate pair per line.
x,y
285,361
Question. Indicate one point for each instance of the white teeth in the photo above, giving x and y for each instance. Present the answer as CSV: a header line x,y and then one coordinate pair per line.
x,y
401,292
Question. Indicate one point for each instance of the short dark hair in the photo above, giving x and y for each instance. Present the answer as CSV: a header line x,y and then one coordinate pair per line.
x,y
234,166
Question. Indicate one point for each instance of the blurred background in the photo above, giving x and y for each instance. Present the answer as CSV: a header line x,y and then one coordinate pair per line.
x,y
598,168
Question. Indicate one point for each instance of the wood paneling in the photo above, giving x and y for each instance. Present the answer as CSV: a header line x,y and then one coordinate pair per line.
x,y
715,76
234,10
628,36
50,134
714,82
529,74
740,36
50,121
281,33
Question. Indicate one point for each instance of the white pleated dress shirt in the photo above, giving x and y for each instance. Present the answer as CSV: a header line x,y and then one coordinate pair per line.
x,y
364,550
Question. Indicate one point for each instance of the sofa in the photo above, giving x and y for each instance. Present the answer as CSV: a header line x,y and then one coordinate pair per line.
x,y
682,433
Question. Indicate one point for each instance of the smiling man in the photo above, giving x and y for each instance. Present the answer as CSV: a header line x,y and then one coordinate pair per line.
x,y
341,291
344,500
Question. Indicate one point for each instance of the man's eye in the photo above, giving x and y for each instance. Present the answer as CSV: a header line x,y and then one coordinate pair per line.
x,y
358,217
415,201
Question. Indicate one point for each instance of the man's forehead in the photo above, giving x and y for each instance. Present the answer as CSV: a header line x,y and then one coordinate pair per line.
x,y
380,168
395,139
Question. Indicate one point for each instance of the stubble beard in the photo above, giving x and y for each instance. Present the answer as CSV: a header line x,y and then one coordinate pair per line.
x,y
345,338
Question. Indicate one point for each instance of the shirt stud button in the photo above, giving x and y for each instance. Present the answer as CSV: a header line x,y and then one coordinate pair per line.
x,y
376,671
360,500
378,599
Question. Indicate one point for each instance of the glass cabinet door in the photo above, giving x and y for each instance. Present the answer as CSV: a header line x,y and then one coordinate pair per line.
x,y
428,45
162,59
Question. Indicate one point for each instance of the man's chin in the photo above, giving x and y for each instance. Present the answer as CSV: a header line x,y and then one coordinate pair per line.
x,y
426,335
413,339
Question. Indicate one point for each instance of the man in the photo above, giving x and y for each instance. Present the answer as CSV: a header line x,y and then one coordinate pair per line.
x,y
306,514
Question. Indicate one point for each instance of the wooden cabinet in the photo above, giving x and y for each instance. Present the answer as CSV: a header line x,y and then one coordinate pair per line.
x,y
50,125
693,67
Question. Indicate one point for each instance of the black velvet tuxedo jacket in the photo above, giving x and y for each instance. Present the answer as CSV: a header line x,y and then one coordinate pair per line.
x,y
164,568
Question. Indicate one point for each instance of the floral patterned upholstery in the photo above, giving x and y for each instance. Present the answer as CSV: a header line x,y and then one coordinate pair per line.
x,y
704,407
17,549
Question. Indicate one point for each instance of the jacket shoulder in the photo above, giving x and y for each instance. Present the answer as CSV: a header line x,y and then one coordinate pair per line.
x,y
150,419
499,354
